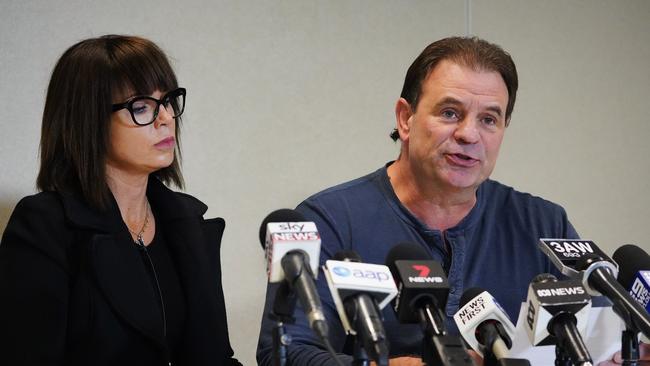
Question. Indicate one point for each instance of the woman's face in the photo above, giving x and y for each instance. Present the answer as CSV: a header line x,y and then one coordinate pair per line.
x,y
141,150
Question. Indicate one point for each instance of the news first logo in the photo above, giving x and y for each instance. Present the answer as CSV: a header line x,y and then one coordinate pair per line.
x,y
571,249
423,273
472,309
640,292
361,274
546,292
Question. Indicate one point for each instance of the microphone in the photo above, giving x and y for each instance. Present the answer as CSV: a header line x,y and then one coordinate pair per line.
x,y
486,328
634,276
582,259
558,312
422,295
634,273
359,291
292,247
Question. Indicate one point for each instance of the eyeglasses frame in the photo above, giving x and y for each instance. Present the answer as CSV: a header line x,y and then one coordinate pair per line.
x,y
162,101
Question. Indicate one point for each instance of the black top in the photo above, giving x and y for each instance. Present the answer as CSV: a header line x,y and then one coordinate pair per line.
x,y
166,281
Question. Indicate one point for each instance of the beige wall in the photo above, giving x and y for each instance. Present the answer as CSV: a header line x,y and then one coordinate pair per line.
x,y
288,97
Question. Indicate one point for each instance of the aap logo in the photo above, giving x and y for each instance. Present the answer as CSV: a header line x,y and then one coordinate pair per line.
x,y
341,271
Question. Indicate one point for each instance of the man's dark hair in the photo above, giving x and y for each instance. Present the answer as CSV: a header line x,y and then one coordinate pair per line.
x,y
85,82
471,52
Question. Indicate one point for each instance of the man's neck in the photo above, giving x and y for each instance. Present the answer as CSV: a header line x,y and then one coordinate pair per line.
x,y
437,207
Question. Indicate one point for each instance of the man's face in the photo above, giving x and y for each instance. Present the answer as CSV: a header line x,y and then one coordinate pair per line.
x,y
453,137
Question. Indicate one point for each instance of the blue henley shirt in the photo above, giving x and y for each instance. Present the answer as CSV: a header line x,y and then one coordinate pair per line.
x,y
494,247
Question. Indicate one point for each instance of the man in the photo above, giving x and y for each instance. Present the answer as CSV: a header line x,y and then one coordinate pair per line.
x,y
455,105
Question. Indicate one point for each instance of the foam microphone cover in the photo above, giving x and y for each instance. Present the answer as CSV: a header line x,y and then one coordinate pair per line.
x,y
630,259
281,215
421,281
347,255
469,294
405,251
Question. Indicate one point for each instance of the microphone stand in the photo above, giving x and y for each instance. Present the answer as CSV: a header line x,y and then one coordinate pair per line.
x,y
440,348
561,357
629,337
492,336
630,348
360,354
283,306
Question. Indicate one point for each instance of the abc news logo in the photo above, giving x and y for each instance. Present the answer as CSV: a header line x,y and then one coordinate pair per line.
x,y
357,273
423,275
563,291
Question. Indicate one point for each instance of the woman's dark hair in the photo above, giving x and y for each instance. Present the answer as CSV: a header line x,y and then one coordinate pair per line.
x,y
86,81
471,52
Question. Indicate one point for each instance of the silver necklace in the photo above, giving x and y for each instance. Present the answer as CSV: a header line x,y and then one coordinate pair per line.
x,y
138,236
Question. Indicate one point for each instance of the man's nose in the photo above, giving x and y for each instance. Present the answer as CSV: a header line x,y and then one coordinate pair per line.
x,y
467,131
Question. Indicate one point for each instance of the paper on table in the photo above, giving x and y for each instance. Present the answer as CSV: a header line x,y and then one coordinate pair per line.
x,y
603,338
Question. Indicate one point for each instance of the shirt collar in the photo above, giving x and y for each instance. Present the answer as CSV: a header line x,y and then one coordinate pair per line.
x,y
387,188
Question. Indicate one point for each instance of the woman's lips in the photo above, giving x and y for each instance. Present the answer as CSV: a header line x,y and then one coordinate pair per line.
x,y
167,143
462,160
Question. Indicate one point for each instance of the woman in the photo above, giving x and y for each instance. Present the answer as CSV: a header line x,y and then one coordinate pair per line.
x,y
107,266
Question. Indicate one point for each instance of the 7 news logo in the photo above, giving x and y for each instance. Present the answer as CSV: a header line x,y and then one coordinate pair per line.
x,y
424,270
423,275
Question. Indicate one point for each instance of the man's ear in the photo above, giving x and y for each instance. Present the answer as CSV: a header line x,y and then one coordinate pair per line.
x,y
403,114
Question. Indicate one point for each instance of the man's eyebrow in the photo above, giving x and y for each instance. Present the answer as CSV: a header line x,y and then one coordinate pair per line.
x,y
496,109
448,101
455,102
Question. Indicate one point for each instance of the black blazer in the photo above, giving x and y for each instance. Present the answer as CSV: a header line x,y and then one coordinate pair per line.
x,y
74,289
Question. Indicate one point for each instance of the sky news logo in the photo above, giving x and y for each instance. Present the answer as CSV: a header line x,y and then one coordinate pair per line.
x,y
311,236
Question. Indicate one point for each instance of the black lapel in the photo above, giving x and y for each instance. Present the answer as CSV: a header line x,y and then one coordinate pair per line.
x,y
123,278
118,266
182,223
121,274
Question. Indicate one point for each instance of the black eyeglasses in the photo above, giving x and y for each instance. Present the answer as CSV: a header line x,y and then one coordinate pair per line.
x,y
144,109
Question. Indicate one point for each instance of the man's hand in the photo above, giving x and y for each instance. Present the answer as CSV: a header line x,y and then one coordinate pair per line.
x,y
417,361
478,360
403,361
644,355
